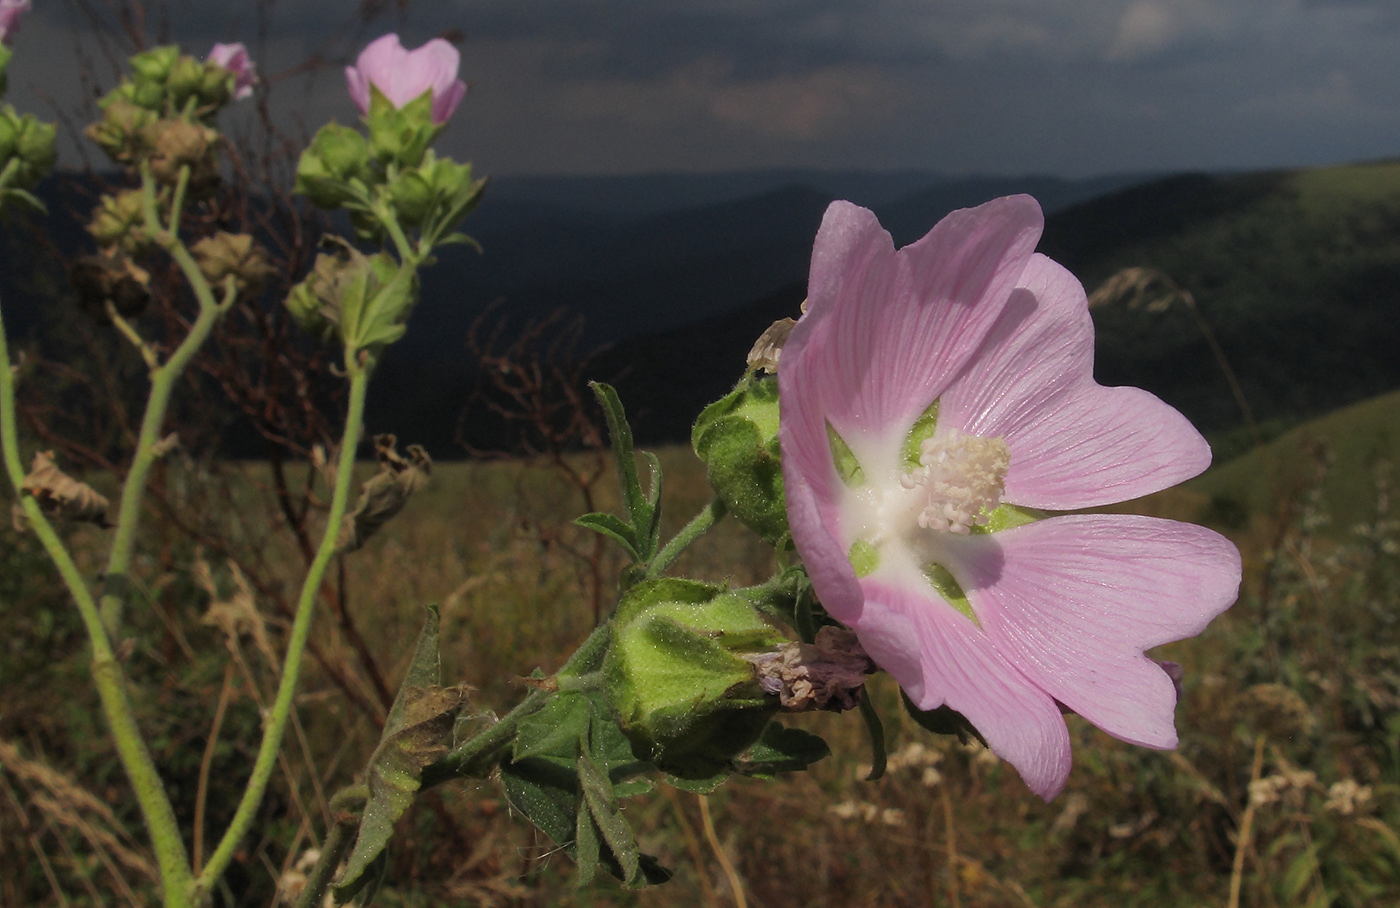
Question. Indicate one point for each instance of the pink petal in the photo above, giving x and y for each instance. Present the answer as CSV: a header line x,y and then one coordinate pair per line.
x,y
1073,602
886,331
1074,443
825,558
445,103
940,657
358,87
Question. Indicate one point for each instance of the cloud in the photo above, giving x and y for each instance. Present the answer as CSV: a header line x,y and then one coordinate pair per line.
x,y
801,107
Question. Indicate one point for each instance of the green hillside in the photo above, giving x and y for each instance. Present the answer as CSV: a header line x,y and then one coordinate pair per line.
x,y
1296,272
1350,450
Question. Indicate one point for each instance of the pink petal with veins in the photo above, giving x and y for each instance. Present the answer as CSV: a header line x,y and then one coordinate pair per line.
x,y
1074,443
1074,601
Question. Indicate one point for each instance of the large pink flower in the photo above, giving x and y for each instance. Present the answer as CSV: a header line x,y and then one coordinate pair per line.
x,y
404,75
235,59
913,531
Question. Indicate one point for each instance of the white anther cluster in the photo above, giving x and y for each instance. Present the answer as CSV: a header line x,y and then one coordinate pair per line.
x,y
962,477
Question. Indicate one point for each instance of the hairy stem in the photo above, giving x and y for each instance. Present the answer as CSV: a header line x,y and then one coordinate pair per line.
x,y
107,673
698,526
163,380
276,722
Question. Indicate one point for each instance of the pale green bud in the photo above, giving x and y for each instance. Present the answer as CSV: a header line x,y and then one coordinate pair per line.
x,y
677,677
737,438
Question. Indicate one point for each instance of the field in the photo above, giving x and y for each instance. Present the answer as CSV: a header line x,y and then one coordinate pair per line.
x,y
1285,790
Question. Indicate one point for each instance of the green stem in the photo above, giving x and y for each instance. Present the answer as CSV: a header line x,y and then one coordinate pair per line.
x,y
277,717
346,806
163,380
698,526
478,755
107,674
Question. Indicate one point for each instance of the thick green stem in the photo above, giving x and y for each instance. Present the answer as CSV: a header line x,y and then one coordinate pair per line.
x,y
698,526
276,722
107,675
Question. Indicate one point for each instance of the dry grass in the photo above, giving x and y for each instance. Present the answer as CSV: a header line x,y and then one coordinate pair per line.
x,y
1286,786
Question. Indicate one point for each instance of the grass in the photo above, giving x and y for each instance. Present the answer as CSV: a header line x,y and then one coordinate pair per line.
x,y
1290,718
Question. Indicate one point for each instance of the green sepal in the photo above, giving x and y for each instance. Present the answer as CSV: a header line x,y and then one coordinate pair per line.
x,y
737,439
5,55
400,135
782,749
417,731
912,449
876,731
844,459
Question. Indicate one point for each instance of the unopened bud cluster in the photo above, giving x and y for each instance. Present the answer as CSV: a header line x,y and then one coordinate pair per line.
x,y
361,299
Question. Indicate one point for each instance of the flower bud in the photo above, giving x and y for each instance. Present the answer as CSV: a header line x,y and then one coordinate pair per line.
x,y
412,197
235,255
177,143
737,438
185,81
363,299
118,220
154,66
677,678
122,125
233,58
337,155
29,144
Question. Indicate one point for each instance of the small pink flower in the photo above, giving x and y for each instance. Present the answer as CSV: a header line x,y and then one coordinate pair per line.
x,y
10,11
235,59
403,75
923,551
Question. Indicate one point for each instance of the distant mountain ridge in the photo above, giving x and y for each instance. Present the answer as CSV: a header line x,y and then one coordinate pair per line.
x,y
1296,274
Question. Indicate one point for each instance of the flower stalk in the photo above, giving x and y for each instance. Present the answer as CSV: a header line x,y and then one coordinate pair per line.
x,y
280,712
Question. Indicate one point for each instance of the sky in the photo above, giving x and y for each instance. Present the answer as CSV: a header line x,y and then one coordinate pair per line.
x,y
1063,87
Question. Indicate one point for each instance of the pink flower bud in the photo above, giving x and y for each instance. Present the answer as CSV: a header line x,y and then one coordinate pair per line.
x,y
403,75
235,59
10,11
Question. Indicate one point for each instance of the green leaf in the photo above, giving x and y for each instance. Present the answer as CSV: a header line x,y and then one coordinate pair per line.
x,y
601,804
613,527
572,764
555,729
782,749
545,790
416,733
587,847
641,511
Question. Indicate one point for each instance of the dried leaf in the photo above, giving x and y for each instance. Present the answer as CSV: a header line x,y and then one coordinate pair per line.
x,y
386,492
417,732
60,495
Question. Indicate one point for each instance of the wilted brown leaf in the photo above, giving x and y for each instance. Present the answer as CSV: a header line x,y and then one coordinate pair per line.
x,y
386,492
60,495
